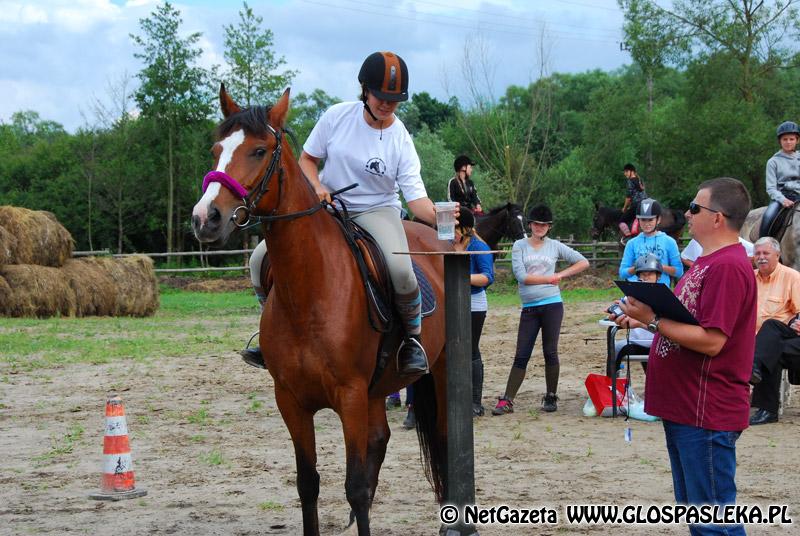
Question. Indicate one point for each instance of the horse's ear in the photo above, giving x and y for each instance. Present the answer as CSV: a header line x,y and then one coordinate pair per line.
x,y
597,205
226,103
278,113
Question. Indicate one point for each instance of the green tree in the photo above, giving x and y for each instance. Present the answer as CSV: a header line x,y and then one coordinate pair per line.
x,y
759,34
306,110
252,64
174,90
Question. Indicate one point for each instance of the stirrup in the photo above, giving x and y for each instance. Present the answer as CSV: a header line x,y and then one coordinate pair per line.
x,y
417,369
253,356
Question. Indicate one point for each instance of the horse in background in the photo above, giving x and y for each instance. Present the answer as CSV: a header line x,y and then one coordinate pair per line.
x,y
608,218
788,239
315,332
503,221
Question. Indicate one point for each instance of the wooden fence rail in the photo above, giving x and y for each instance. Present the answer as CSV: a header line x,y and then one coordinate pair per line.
x,y
597,253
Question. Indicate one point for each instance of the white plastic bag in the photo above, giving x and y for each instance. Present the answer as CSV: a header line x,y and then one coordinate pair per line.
x,y
588,409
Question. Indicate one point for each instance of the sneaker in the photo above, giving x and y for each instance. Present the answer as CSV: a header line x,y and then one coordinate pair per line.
x,y
252,356
478,410
549,402
504,405
411,419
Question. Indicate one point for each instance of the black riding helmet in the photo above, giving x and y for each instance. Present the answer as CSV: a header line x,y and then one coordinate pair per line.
x,y
385,75
648,263
466,220
788,127
461,161
648,208
540,213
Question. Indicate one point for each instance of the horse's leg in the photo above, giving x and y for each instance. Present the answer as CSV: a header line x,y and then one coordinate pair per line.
x,y
379,434
354,413
300,423
377,440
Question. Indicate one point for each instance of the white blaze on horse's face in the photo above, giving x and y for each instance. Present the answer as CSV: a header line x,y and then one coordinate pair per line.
x,y
229,146
522,225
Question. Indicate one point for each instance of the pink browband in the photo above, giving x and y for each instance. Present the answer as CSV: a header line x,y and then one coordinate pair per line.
x,y
226,180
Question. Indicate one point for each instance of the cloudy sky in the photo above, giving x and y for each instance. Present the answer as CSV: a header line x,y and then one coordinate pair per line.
x,y
57,56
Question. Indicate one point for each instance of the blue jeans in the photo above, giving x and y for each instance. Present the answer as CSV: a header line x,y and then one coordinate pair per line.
x,y
703,470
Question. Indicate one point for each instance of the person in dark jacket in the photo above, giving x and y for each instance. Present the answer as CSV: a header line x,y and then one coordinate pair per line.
x,y
461,188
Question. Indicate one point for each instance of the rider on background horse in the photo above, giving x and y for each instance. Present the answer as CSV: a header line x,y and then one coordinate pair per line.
x,y
364,142
782,176
635,195
461,188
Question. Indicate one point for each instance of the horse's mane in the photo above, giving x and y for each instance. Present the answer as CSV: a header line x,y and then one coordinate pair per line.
x,y
509,205
253,120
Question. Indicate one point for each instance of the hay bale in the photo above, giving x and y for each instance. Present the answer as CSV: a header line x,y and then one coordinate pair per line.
x,y
39,291
135,282
95,290
5,293
8,243
40,238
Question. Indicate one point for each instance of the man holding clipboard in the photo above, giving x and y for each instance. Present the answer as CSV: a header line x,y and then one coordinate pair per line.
x,y
697,375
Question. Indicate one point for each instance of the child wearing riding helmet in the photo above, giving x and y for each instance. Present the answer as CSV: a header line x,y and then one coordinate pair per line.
x,y
782,176
533,261
651,240
647,269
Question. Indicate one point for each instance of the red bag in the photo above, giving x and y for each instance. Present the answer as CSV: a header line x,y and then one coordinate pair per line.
x,y
599,389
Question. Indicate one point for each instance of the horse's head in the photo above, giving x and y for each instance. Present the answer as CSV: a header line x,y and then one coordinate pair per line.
x,y
515,224
599,221
248,155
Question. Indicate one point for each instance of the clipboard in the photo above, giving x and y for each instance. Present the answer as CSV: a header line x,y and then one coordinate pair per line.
x,y
660,298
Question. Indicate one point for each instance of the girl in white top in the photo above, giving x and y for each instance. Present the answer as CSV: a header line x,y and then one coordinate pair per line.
x,y
365,143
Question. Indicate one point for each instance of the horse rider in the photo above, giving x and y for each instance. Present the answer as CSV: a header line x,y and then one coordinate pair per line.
x,y
364,142
461,188
635,194
783,176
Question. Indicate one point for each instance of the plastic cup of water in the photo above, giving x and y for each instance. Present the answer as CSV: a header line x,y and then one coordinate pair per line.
x,y
446,219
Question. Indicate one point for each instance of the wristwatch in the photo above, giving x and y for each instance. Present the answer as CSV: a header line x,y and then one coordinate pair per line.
x,y
652,327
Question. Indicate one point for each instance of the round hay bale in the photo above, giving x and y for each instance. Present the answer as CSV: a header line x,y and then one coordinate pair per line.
x,y
36,291
135,281
95,290
8,243
40,238
5,293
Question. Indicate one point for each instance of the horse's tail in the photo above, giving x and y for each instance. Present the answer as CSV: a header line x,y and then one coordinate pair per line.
x,y
432,450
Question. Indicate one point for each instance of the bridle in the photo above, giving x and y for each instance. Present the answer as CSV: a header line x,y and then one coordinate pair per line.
x,y
250,200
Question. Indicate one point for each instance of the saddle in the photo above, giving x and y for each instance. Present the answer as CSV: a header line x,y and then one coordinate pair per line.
x,y
781,222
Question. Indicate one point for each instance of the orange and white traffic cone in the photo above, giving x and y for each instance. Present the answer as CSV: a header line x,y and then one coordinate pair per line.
x,y
118,481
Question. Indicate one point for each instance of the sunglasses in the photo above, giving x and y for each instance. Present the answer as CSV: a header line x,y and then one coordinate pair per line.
x,y
694,208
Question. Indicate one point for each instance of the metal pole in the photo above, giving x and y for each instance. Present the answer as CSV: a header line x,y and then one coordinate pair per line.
x,y
460,484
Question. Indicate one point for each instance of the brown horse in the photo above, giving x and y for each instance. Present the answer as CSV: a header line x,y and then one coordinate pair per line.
x,y
315,333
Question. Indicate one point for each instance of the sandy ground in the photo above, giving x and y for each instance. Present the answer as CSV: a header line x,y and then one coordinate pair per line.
x,y
211,449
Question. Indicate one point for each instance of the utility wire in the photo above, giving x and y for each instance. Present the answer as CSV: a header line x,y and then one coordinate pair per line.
x,y
532,31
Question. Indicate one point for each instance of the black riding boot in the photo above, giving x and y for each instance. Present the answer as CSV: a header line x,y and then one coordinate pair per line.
x,y
411,358
252,356
768,218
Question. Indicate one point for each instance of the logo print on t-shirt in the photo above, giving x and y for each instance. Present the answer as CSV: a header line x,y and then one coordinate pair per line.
x,y
375,166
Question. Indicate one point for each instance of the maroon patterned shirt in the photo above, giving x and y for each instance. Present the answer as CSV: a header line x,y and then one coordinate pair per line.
x,y
694,389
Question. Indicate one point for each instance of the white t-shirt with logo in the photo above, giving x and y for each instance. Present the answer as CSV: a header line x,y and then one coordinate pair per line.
x,y
693,249
382,162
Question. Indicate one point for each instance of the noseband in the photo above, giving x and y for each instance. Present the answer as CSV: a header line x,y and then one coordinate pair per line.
x,y
250,200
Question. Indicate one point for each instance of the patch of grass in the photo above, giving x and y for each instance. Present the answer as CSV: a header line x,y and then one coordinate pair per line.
x,y
197,438
200,417
270,506
30,344
213,458
62,445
